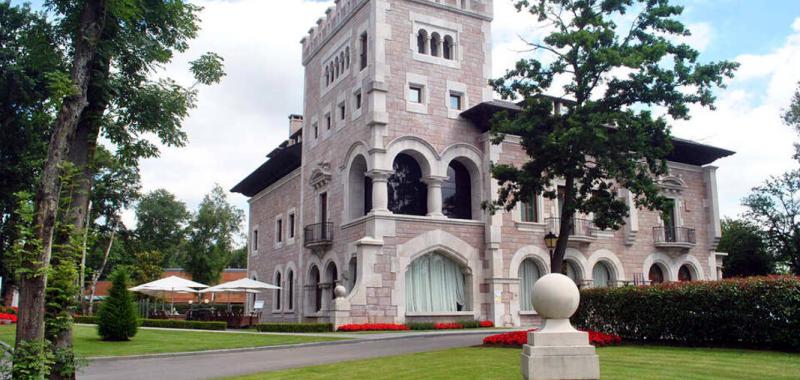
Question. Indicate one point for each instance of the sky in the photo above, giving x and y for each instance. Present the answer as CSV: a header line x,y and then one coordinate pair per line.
x,y
237,122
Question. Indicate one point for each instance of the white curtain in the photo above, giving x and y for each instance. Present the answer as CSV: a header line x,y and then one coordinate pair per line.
x,y
600,275
434,283
529,274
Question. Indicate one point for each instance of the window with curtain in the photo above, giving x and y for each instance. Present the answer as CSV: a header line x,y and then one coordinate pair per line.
x,y
601,276
435,283
530,209
528,275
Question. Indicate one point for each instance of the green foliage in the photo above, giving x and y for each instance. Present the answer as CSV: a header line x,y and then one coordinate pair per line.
x,y
32,360
21,260
85,319
238,258
161,222
757,311
420,325
117,315
792,118
208,69
295,327
177,324
211,237
604,139
747,251
775,207
146,266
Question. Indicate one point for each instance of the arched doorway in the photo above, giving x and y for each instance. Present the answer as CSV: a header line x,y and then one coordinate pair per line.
x,y
359,188
685,273
436,283
656,274
408,195
529,273
457,192
316,288
331,277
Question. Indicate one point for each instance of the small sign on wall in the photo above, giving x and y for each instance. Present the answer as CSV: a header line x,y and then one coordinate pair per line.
x,y
258,305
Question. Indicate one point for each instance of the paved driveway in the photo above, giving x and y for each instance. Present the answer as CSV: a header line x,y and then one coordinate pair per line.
x,y
213,365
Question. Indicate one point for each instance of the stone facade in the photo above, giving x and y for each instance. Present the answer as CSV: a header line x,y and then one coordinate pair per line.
x,y
360,114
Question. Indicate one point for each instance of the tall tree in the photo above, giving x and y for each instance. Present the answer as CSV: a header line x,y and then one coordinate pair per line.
x,y
775,207
211,237
791,117
605,139
747,251
161,223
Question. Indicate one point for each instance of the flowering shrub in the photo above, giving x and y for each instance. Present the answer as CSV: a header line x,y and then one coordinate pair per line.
x,y
486,324
8,310
8,317
373,327
762,312
447,326
518,338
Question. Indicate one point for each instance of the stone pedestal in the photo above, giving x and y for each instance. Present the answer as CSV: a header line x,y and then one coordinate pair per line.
x,y
340,313
558,351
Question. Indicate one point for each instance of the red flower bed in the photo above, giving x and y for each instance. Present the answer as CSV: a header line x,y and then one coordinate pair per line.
x,y
8,317
373,327
448,326
487,324
8,310
518,338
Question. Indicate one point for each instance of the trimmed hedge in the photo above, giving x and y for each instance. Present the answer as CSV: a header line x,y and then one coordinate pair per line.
x,y
756,312
164,323
420,325
179,324
295,327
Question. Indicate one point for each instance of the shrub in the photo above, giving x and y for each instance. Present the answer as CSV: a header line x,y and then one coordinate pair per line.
x,y
486,324
519,338
373,327
295,327
117,315
757,311
178,324
86,319
420,325
447,326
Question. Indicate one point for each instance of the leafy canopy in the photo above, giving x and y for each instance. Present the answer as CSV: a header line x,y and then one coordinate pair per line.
x,y
604,138
747,250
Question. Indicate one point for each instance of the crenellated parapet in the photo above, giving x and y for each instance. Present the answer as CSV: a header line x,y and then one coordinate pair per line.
x,y
340,13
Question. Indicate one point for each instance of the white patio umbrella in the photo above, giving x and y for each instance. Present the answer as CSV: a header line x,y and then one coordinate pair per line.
x,y
171,284
241,285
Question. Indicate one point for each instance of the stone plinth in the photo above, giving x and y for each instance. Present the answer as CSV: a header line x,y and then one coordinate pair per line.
x,y
558,351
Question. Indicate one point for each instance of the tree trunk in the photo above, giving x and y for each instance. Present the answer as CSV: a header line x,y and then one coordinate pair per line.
x,y
565,226
96,275
30,327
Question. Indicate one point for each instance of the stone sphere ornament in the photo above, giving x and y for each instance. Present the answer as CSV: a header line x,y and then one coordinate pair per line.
x,y
555,296
339,291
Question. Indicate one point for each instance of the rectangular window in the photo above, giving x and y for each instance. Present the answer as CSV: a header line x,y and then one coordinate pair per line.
x,y
291,226
328,121
279,231
364,44
342,111
415,94
358,99
255,240
316,130
455,101
530,209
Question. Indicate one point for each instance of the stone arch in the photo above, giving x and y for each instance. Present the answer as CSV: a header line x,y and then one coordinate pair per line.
x,y
612,263
695,268
277,294
665,263
311,286
419,149
579,262
422,41
290,290
449,245
471,158
436,44
539,256
357,188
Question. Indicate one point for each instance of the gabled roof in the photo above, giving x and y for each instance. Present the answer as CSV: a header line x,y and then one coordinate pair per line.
x,y
683,151
282,160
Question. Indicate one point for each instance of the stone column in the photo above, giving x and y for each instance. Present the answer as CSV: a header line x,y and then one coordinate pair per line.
x,y
380,191
434,195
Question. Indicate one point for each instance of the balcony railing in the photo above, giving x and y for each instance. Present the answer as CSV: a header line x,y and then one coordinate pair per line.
x,y
678,237
582,229
318,235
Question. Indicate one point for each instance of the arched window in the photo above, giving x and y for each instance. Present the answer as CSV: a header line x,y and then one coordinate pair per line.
x,y
347,57
448,48
331,276
327,75
352,269
568,269
457,192
436,42
435,283
422,41
601,276
336,67
528,275
656,275
290,286
684,274
313,283
408,195
359,188
277,304
341,62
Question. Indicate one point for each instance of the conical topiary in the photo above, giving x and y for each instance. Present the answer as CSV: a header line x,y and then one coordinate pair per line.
x,y
116,319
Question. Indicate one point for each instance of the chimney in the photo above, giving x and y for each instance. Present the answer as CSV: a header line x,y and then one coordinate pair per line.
x,y
295,123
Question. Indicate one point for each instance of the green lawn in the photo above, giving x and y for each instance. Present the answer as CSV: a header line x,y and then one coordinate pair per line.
x,y
88,344
622,362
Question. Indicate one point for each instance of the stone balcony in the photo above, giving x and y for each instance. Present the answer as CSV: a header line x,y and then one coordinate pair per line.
x,y
583,230
318,236
674,237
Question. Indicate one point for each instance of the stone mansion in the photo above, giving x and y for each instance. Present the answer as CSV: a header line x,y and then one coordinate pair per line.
x,y
379,186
